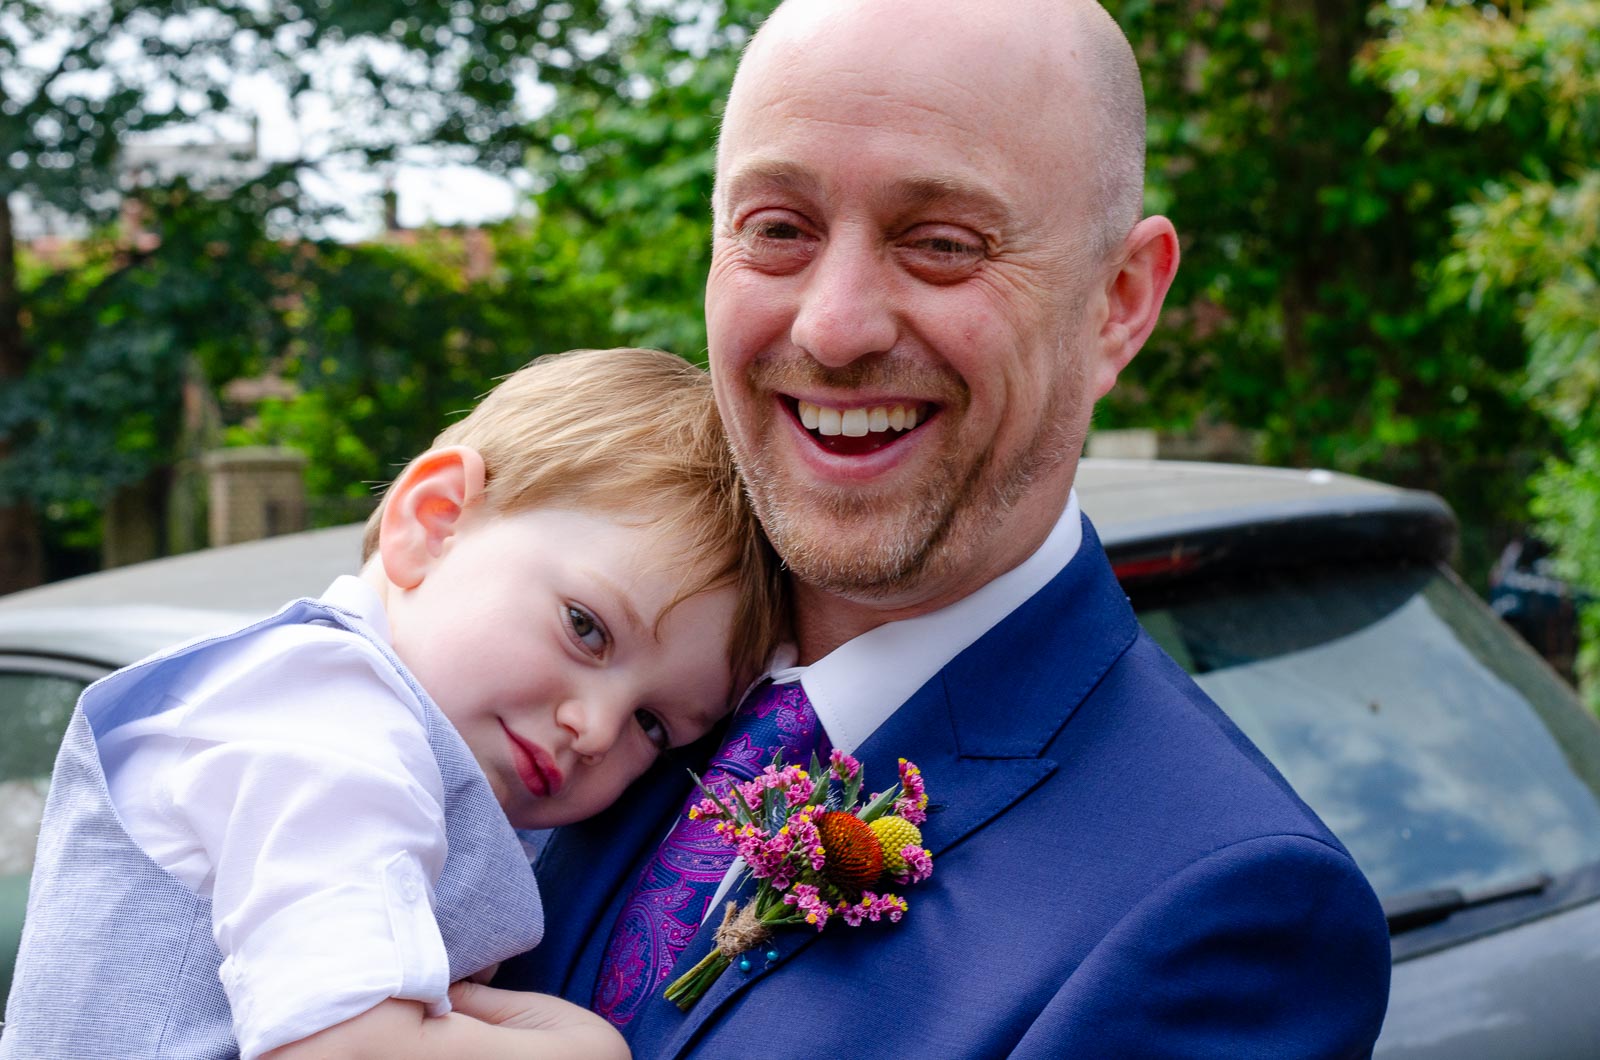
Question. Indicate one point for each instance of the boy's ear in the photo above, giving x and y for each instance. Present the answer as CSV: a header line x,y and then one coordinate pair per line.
x,y
424,508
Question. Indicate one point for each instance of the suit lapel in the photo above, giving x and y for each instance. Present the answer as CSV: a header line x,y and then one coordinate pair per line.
x,y
977,730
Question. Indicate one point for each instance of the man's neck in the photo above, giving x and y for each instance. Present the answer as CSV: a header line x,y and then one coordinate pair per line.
x,y
825,620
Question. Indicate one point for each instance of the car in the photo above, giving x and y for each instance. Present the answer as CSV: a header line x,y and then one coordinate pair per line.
x,y
1317,608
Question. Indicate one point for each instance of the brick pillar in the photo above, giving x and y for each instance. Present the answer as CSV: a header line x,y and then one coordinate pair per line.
x,y
255,492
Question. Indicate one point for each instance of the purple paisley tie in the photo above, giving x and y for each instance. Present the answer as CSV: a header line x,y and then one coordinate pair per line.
x,y
672,893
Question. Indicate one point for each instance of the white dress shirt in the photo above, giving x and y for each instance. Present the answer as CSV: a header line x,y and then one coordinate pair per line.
x,y
857,686
293,785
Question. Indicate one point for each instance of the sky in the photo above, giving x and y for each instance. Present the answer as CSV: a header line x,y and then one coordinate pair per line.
x,y
430,189
429,193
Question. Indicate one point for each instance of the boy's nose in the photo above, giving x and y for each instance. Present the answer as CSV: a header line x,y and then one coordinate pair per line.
x,y
592,724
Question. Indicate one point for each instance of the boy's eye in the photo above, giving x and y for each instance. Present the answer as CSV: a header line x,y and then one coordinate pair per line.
x,y
654,730
586,629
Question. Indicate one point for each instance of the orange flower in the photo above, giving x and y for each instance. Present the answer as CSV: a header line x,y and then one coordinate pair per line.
x,y
855,857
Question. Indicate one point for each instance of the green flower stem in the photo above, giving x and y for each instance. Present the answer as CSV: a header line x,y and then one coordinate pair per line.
x,y
692,985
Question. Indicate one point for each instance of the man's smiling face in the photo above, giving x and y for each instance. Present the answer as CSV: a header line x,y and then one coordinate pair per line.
x,y
897,306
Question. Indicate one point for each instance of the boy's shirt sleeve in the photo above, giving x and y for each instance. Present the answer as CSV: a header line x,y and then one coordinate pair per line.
x,y
293,785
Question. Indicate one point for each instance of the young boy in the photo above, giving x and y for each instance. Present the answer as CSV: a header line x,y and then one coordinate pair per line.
x,y
292,839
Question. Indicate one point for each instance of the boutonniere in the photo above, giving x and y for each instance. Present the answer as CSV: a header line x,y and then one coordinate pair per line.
x,y
820,854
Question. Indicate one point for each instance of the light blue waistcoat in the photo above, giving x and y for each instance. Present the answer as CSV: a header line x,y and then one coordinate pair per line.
x,y
117,957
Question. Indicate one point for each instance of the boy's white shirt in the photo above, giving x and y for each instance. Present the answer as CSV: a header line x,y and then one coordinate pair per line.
x,y
857,686
294,786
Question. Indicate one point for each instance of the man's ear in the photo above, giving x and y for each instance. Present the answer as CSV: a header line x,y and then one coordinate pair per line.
x,y
1134,293
424,508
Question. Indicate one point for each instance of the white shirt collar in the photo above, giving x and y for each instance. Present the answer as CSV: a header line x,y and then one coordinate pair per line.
x,y
858,685
350,593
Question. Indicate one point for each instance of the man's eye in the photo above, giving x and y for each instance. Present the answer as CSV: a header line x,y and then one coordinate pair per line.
x,y
942,255
654,730
777,230
586,629
944,245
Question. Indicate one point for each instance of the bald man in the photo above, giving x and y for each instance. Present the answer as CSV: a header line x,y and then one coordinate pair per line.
x,y
930,259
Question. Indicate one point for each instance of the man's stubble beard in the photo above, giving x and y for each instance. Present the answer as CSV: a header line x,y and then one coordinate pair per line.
x,y
922,535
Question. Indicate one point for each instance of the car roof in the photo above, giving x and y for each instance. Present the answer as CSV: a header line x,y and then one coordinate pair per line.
x,y
116,616
1134,502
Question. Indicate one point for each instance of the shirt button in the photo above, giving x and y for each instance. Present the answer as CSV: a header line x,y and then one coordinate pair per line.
x,y
410,884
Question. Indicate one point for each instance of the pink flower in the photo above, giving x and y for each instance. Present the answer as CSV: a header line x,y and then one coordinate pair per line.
x,y
706,808
872,907
844,767
800,791
913,801
878,906
793,781
919,861
767,853
809,901
808,841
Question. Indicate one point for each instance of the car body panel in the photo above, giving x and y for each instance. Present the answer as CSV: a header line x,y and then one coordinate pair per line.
x,y
1489,998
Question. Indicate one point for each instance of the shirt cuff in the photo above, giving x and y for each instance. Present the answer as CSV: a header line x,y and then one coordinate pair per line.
x,y
335,955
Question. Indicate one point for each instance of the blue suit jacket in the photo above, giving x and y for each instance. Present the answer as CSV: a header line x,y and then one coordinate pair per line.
x,y
1118,872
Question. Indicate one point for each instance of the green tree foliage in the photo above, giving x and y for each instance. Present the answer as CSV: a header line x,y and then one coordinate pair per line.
x,y
1526,240
77,81
1310,219
625,166
391,342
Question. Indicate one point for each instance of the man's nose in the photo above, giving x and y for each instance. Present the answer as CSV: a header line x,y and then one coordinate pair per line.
x,y
846,308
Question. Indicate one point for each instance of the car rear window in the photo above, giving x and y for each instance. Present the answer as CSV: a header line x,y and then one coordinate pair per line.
x,y
1434,743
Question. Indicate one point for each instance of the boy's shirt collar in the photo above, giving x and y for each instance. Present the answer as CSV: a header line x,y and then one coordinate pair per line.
x,y
352,594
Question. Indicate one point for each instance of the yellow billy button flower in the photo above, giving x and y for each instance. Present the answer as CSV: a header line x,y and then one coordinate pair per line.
x,y
895,834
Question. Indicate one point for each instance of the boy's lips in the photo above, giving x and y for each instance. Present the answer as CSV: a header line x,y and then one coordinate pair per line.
x,y
535,768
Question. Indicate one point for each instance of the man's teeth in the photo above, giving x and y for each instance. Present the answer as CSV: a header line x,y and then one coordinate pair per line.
x,y
857,423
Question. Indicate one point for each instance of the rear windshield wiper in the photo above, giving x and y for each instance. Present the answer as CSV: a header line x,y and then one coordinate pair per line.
x,y
1415,909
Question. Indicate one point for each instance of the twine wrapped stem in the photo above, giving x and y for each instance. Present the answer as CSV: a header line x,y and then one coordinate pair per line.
x,y
741,930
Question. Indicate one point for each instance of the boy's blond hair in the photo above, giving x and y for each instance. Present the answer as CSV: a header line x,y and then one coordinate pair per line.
x,y
633,433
